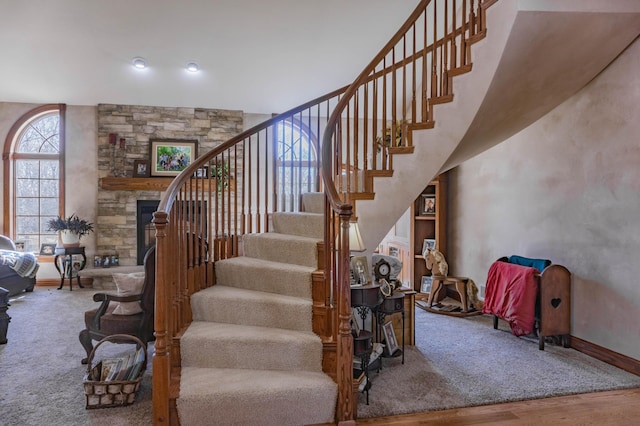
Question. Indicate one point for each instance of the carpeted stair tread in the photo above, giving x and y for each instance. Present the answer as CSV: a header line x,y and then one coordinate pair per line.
x,y
313,202
302,224
265,275
248,307
218,345
282,248
211,395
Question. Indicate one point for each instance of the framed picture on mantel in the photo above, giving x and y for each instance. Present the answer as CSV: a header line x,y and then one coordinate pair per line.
x,y
141,168
170,157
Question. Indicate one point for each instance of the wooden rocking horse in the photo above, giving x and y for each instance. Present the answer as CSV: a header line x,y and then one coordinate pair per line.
x,y
464,286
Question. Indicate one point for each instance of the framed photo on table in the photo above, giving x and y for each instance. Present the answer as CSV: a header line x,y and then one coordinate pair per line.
x,y
390,338
360,270
47,249
170,157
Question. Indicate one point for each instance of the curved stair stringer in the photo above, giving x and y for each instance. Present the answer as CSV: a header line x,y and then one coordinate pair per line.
x,y
535,56
433,147
553,51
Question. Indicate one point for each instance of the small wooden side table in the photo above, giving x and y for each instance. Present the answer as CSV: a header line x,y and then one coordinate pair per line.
x,y
66,268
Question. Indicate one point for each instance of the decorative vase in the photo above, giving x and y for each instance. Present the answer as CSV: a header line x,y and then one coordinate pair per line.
x,y
69,239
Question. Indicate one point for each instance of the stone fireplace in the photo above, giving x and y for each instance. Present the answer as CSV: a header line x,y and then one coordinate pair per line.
x,y
145,231
117,209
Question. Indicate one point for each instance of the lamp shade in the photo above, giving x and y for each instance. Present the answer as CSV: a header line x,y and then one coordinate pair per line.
x,y
355,239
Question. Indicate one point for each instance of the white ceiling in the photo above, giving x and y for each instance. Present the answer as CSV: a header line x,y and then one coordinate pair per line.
x,y
255,55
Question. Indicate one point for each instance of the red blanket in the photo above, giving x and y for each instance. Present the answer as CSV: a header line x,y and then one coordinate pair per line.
x,y
511,295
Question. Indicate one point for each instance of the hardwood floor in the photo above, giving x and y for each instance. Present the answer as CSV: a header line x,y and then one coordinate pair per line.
x,y
621,407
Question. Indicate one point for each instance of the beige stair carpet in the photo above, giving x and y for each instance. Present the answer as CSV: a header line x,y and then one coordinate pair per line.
x,y
313,202
207,344
250,356
255,397
247,307
263,275
282,248
302,224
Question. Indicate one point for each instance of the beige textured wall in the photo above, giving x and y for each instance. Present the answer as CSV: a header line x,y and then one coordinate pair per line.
x,y
566,188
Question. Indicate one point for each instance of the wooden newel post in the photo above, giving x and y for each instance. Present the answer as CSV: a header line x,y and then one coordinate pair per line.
x,y
160,377
345,339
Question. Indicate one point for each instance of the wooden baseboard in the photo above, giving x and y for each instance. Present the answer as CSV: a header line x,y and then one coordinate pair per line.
x,y
55,282
606,355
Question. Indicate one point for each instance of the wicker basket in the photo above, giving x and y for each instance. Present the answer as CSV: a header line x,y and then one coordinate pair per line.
x,y
112,393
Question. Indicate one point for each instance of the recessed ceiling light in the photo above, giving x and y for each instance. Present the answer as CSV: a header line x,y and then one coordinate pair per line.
x,y
192,67
139,63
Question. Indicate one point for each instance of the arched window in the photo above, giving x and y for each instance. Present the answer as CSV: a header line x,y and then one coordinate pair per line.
x,y
296,164
34,168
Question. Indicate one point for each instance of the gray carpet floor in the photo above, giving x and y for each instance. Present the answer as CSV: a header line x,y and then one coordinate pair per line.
x,y
456,362
466,362
40,371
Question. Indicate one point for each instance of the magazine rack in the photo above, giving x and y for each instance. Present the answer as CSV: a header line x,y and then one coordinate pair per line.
x,y
114,393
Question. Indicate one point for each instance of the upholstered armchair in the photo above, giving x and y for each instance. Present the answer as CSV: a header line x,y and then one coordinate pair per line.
x,y
9,278
130,311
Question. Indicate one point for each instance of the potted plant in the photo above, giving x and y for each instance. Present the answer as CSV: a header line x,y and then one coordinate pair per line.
x,y
70,229
220,173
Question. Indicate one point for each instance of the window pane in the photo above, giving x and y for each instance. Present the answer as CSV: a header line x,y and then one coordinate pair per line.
x,y
30,141
51,239
27,224
297,171
48,206
41,135
44,227
27,206
50,145
48,188
49,169
27,168
31,243
27,187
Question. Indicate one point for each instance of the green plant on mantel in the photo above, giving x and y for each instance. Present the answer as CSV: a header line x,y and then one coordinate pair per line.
x,y
72,223
385,142
220,172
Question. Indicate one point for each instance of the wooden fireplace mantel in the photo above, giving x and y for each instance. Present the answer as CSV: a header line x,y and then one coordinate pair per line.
x,y
135,184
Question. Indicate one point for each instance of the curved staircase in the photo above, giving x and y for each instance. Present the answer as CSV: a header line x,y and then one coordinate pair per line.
x,y
256,331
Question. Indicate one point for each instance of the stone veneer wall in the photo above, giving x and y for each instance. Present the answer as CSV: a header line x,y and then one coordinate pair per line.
x,y
116,213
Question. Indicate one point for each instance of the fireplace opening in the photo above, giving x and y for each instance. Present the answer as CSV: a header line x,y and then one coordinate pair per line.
x,y
145,230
